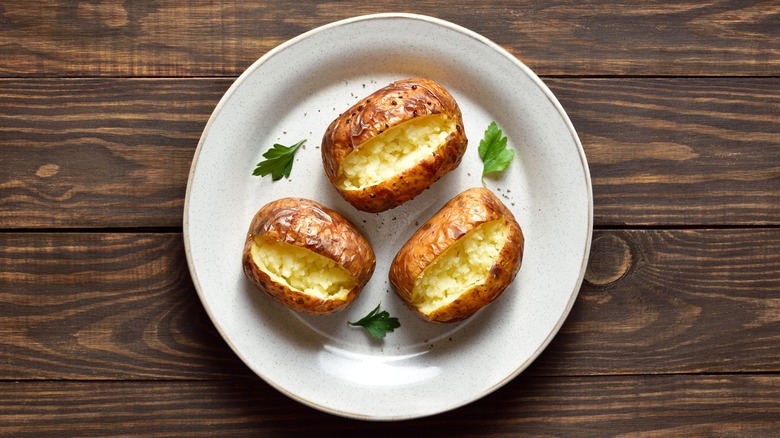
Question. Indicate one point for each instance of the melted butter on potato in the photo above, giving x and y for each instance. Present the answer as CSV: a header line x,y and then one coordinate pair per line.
x,y
462,266
302,270
395,150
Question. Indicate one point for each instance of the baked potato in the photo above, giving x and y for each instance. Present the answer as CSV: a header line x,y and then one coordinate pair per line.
x,y
307,256
392,145
462,258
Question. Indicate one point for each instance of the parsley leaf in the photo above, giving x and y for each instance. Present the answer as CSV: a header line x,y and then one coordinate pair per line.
x,y
377,323
493,151
278,162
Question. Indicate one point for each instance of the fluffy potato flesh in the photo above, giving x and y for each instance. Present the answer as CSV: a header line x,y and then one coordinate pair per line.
x,y
302,270
462,266
395,150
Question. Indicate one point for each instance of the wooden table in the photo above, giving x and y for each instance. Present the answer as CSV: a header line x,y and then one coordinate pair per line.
x,y
676,331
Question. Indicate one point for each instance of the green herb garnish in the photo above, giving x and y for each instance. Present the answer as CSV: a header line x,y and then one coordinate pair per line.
x,y
278,162
493,151
377,323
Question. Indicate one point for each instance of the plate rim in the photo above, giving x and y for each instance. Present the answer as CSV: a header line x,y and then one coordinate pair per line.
x,y
482,40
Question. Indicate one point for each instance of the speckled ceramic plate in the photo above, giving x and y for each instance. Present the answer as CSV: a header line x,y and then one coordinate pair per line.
x,y
294,92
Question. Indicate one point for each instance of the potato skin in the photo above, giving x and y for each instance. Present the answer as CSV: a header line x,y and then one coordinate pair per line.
x,y
310,225
454,220
390,106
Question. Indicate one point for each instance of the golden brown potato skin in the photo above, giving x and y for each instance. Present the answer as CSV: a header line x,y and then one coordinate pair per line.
x,y
454,220
308,224
392,105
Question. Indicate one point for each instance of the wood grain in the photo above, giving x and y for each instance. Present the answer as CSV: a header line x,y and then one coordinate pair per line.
x,y
713,144
122,306
676,327
683,406
116,152
98,306
666,301
99,153
661,37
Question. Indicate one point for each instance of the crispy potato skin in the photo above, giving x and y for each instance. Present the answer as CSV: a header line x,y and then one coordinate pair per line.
x,y
308,224
454,220
390,106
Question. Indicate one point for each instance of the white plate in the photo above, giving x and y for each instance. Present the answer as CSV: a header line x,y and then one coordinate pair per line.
x,y
294,92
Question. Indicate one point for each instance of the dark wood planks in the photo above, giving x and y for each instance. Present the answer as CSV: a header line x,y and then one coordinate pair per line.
x,y
679,151
669,301
116,152
99,153
662,37
98,306
102,334
122,306
594,406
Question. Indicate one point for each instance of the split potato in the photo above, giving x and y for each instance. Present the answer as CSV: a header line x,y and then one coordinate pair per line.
x,y
464,257
392,145
307,256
